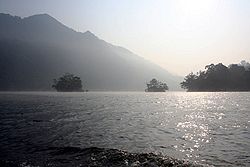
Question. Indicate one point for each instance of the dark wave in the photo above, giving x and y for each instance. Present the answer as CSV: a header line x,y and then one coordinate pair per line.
x,y
98,157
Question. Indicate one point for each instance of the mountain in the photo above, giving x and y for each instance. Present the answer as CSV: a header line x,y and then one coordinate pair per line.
x,y
36,49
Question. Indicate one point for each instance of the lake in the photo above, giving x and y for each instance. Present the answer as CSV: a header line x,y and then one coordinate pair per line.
x,y
207,128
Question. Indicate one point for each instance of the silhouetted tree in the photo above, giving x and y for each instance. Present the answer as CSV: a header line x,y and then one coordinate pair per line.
x,y
156,86
189,82
68,83
235,77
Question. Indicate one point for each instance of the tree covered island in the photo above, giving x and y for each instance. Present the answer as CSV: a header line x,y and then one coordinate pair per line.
x,y
156,86
68,83
235,77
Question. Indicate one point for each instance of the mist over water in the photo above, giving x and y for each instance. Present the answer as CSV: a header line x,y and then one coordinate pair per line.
x,y
208,128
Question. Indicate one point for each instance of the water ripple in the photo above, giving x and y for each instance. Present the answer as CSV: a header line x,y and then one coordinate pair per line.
x,y
210,128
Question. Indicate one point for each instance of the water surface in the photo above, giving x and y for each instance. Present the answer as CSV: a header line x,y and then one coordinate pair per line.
x,y
209,128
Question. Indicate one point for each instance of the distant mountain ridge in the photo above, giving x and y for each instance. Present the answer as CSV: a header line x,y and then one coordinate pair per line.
x,y
36,49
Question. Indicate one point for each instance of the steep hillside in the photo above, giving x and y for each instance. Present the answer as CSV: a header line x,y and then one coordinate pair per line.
x,y
36,49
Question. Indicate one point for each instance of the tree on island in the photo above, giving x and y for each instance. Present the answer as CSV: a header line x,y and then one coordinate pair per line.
x,y
68,83
235,77
156,86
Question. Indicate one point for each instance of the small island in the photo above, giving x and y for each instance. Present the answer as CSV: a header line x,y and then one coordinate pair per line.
x,y
235,77
156,86
68,83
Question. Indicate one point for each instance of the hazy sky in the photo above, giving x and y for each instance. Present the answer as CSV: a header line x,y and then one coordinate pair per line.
x,y
179,35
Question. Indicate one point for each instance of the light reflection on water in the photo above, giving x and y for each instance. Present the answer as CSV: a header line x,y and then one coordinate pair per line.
x,y
211,128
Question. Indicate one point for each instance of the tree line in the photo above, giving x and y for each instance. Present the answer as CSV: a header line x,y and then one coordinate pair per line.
x,y
235,77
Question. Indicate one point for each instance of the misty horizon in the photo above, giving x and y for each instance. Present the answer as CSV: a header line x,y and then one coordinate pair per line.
x,y
45,31
183,37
